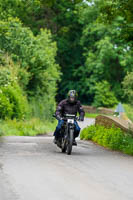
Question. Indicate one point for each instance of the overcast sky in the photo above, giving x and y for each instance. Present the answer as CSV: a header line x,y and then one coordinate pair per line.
x,y
89,3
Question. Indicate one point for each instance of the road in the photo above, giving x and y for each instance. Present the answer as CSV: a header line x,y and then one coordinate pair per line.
x,y
33,168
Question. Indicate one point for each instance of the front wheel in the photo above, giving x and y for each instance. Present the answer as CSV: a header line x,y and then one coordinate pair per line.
x,y
70,141
64,147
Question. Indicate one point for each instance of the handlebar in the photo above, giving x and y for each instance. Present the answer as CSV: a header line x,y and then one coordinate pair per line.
x,y
67,116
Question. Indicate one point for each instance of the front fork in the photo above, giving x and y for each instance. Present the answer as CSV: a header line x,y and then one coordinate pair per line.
x,y
65,135
70,127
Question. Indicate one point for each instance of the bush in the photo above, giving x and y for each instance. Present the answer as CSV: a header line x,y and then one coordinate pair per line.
x,y
11,72
36,54
13,103
42,107
103,96
113,138
6,109
37,72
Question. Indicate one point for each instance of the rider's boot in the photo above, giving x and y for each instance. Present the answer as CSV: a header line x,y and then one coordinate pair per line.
x,y
74,142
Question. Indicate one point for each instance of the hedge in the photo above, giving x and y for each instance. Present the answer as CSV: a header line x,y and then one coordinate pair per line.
x,y
112,138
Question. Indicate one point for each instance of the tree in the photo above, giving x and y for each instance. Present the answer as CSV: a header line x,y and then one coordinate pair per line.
x,y
36,56
94,43
104,96
128,87
13,100
120,10
107,55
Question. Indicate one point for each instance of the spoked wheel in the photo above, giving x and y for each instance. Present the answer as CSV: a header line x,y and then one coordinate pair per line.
x,y
70,142
63,148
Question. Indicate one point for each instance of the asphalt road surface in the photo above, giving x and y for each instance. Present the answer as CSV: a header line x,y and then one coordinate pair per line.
x,y
33,168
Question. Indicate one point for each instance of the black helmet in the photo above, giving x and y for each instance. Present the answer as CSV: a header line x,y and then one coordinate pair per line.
x,y
72,96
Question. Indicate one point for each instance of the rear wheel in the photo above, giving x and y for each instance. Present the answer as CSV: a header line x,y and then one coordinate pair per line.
x,y
70,142
59,143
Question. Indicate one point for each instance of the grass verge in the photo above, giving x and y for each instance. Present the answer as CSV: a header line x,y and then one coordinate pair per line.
x,y
91,115
112,138
94,115
129,111
30,127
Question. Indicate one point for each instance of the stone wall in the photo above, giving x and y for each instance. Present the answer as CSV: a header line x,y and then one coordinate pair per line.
x,y
91,109
108,121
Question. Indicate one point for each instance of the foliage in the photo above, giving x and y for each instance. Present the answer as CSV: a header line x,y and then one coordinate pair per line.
x,y
103,96
37,54
129,111
90,51
69,50
13,102
26,11
107,56
42,107
128,87
29,127
118,9
37,71
112,138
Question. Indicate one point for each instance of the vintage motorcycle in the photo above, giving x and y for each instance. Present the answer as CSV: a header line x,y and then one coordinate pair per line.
x,y
65,141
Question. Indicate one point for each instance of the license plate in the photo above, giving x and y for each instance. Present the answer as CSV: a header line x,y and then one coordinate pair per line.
x,y
71,121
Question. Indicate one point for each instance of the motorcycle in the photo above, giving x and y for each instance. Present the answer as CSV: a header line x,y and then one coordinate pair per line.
x,y
65,141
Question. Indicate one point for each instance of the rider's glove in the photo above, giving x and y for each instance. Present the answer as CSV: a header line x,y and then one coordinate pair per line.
x,y
58,117
81,118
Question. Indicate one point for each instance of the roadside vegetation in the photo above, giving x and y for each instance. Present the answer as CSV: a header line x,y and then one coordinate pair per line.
x,y
91,115
112,138
28,76
129,111
30,127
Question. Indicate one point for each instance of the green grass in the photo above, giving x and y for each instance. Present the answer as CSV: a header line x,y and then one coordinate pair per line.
x,y
30,127
112,138
129,111
91,115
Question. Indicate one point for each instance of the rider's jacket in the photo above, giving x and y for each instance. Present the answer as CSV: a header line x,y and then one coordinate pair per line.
x,y
65,107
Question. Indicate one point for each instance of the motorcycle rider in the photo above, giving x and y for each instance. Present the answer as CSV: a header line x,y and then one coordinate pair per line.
x,y
69,106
